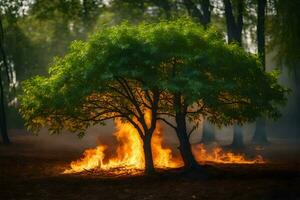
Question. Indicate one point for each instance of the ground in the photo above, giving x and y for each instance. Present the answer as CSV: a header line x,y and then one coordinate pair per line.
x,y
28,170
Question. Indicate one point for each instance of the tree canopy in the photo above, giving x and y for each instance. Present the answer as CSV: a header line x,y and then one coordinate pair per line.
x,y
174,57
171,68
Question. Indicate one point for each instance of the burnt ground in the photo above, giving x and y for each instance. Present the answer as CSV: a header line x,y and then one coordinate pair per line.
x,y
29,170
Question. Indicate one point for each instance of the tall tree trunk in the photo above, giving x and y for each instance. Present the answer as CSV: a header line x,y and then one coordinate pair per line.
x,y
234,34
3,124
149,165
203,14
237,142
185,146
205,4
260,133
234,26
297,91
208,135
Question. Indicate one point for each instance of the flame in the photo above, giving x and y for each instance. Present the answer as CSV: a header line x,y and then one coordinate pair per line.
x,y
129,158
217,155
129,153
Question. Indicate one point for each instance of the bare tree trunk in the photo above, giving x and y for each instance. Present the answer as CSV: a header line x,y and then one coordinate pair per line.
x,y
185,146
260,133
237,142
234,26
297,92
3,124
203,14
234,34
181,131
149,165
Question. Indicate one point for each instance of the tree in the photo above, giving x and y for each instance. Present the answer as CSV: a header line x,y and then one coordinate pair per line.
x,y
6,8
200,9
234,35
3,124
234,24
208,78
260,134
172,69
110,76
285,26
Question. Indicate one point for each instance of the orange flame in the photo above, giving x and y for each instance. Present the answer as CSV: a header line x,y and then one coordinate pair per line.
x,y
217,155
129,153
129,157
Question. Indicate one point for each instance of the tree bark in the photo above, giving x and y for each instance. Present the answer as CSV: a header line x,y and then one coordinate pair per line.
x,y
234,27
234,34
260,133
149,165
3,124
237,142
297,92
203,14
185,146
206,12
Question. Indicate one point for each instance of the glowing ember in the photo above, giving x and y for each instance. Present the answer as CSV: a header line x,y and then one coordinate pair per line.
x,y
217,155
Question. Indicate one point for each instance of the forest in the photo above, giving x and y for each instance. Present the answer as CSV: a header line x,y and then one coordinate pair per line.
x,y
149,99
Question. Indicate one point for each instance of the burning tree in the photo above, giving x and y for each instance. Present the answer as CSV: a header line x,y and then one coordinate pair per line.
x,y
172,69
207,78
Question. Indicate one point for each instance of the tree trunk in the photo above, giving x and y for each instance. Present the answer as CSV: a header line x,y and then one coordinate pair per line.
x,y
3,124
234,27
149,165
237,142
297,92
206,12
203,14
260,133
234,34
185,146
208,135
181,131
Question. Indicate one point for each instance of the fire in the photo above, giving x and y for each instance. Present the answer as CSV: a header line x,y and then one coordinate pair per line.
x,y
129,153
217,155
129,158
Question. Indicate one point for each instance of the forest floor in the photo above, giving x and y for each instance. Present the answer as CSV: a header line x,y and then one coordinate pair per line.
x,y
30,171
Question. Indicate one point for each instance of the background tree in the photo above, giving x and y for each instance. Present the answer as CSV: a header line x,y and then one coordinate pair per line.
x,y
124,86
4,65
284,32
234,25
260,133
8,13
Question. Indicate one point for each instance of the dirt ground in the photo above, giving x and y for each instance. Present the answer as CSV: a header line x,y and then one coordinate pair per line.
x,y
29,170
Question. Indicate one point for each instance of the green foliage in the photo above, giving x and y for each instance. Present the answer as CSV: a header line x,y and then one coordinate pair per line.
x,y
119,72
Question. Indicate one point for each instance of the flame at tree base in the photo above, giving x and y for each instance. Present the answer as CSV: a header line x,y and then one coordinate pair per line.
x,y
129,157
